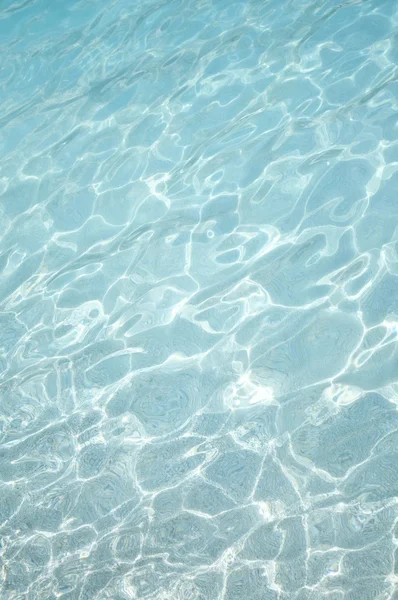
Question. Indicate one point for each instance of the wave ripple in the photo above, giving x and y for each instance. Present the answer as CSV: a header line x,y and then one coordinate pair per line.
x,y
198,299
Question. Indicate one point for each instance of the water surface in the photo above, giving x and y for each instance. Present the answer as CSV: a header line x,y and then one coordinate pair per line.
x,y
198,299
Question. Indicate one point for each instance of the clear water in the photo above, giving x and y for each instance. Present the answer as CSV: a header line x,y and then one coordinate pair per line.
x,y
199,299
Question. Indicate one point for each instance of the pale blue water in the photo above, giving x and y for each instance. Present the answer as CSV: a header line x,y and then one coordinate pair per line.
x,y
199,299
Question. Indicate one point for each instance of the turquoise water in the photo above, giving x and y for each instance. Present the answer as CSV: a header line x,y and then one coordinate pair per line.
x,y
198,299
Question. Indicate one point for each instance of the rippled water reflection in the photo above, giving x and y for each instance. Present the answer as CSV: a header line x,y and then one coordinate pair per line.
x,y
198,299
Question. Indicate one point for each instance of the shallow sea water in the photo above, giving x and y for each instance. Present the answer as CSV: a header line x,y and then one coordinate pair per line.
x,y
198,300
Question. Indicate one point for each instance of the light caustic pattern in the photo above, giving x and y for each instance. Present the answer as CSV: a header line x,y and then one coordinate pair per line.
x,y
199,300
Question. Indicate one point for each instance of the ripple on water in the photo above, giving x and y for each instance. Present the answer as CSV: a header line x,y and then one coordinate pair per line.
x,y
198,307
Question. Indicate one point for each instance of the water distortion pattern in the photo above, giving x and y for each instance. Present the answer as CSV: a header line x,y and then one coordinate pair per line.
x,y
198,299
